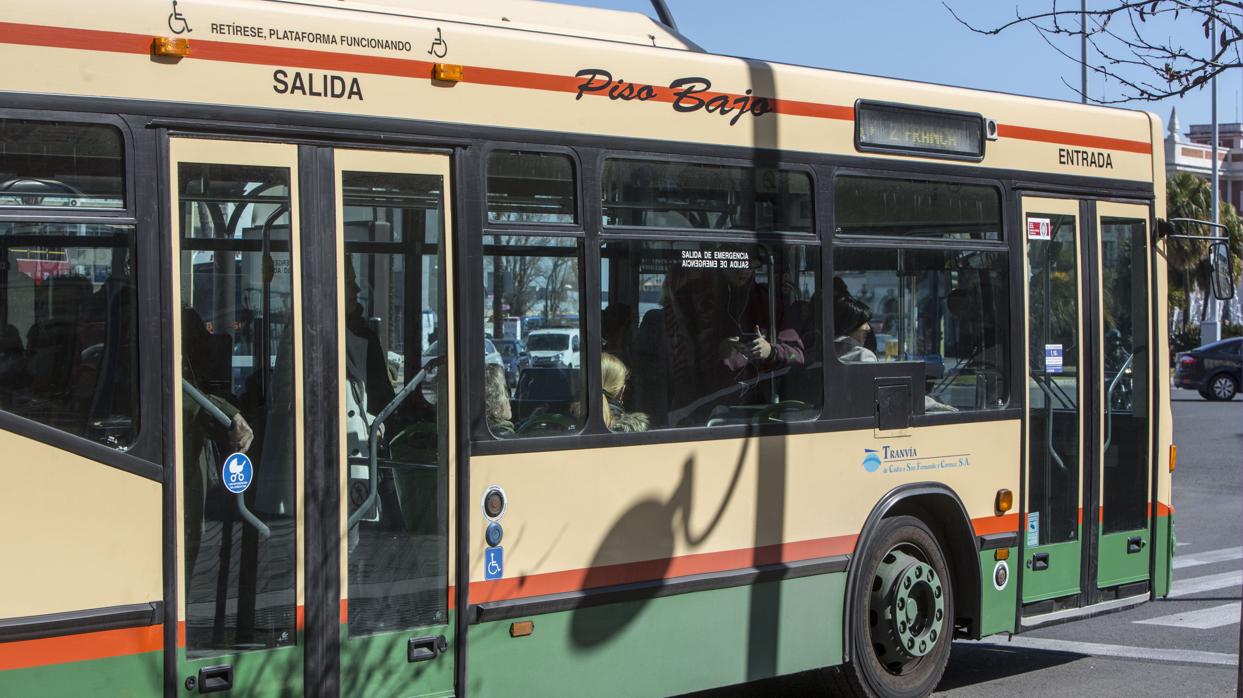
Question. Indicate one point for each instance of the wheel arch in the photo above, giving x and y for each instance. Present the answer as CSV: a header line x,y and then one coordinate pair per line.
x,y
942,510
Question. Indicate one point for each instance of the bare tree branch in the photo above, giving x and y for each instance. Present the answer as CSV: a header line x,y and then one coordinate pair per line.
x,y
1134,45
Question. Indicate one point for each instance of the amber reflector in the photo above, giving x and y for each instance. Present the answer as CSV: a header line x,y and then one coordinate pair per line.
x,y
1005,500
1001,554
447,72
171,46
1173,456
521,628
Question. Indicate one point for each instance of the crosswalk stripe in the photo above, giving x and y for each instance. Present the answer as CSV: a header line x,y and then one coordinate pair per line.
x,y
1208,557
1096,649
1211,582
1203,619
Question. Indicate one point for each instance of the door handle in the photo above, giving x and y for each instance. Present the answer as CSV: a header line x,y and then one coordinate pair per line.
x,y
1134,544
1039,562
421,649
213,679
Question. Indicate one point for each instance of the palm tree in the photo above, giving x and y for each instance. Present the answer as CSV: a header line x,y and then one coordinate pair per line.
x,y
1187,196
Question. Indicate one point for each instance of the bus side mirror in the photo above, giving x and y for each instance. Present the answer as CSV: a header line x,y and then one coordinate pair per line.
x,y
1221,274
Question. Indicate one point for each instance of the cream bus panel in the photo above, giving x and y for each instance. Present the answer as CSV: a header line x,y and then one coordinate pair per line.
x,y
309,59
78,534
710,506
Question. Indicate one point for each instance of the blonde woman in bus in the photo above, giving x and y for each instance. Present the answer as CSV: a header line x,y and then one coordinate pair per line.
x,y
613,375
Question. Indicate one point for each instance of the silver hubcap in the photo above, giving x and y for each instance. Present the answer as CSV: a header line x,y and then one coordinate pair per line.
x,y
1223,387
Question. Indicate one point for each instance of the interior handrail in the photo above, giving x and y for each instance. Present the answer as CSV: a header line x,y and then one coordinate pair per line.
x,y
223,419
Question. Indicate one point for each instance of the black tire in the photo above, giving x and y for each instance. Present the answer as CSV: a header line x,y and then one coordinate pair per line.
x,y
902,546
1221,387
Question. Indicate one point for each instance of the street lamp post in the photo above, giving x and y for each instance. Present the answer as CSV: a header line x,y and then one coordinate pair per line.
x,y
1210,329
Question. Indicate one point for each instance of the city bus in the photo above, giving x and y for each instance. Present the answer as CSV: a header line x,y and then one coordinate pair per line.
x,y
864,366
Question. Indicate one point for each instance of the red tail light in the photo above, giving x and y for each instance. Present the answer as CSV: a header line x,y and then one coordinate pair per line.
x,y
1188,361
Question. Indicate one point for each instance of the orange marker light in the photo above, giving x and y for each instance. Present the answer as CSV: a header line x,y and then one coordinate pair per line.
x,y
172,47
1001,554
1005,500
447,72
1173,456
521,628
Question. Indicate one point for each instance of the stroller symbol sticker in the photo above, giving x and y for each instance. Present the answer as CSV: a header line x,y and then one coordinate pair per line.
x,y
237,473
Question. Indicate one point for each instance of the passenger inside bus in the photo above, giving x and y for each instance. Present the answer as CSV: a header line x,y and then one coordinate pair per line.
x,y
496,400
720,347
613,377
851,322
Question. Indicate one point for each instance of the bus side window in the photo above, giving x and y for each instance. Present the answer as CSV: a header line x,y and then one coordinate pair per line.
x,y
541,393
709,333
935,293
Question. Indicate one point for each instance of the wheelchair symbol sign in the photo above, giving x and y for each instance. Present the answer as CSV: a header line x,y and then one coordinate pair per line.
x,y
237,473
494,563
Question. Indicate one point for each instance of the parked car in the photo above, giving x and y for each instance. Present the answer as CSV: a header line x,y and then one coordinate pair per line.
x,y
514,354
1213,369
555,347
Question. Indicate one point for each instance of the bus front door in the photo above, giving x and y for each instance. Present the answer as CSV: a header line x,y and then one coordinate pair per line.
x,y
1123,386
1086,534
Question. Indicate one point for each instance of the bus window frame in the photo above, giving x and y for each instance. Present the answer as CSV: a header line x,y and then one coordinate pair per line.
x,y
646,231
129,180
578,226
1005,245
478,430
145,454
823,172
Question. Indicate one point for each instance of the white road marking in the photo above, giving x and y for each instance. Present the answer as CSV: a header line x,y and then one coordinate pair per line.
x,y
1203,619
1179,545
1101,650
1211,582
1208,557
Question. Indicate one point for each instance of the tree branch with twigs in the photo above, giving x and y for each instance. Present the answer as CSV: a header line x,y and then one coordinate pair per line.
x,y
1135,43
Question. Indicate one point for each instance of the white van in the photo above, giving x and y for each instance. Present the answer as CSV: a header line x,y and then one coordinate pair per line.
x,y
555,347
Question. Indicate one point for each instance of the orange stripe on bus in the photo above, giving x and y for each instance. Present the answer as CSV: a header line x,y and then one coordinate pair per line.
x,y
984,526
1067,138
24,654
232,52
659,569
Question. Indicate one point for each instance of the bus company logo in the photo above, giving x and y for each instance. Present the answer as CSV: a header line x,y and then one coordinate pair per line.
x,y
891,460
871,461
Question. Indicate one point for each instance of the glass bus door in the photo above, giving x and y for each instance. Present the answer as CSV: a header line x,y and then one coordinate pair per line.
x,y
237,406
396,436
1087,520
251,256
1053,530
1124,365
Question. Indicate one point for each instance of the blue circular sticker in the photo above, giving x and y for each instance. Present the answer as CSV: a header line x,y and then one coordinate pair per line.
x,y
237,473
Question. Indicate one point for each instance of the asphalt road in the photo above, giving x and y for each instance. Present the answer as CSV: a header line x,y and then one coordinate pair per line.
x,y
1185,645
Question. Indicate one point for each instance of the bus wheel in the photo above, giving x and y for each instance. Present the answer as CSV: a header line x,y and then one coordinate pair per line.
x,y
902,615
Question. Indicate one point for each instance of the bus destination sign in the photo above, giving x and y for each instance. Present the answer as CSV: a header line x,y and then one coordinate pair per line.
x,y
895,128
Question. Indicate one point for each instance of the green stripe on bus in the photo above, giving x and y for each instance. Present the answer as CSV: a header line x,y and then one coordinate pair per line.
x,y
665,646
1115,565
125,676
997,605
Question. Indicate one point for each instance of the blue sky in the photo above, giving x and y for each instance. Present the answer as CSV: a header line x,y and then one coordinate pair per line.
x,y
919,40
